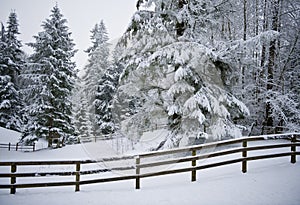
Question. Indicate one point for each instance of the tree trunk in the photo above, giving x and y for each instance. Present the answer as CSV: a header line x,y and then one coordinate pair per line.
x,y
263,49
244,38
271,68
261,75
181,26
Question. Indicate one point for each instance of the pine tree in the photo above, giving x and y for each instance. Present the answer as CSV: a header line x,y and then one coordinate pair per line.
x,y
83,123
259,41
11,64
171,78
98,64
80,113
51,76
104,98
99,36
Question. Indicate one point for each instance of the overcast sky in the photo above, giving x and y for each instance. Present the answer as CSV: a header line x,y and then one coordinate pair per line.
x,y
82,15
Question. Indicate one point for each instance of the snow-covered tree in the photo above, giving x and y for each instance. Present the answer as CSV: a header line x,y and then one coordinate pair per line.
x,y
80,113
105,95
103,98
259,41
171,78
50,75
99,36
263,52
11,63
282,108
98,64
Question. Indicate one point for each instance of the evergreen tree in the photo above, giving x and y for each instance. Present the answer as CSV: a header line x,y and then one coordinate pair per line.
x,y
51,76
80,113
104,98
83,123
11,64
102,101
98,64
99,36
254,43
172,78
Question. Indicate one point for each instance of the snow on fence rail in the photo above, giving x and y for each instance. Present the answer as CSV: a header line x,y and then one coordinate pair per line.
x,y
17,147
140,162
100,138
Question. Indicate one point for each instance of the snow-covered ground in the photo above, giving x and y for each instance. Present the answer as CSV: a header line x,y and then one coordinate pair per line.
x,y
7,136
273,181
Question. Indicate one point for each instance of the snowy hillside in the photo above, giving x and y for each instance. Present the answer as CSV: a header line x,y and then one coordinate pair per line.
x,y
274,181
7,136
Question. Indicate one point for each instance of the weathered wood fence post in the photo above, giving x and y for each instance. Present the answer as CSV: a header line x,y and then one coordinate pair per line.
x,y
244,154
194,152
293,149
13,180
137,172
77,176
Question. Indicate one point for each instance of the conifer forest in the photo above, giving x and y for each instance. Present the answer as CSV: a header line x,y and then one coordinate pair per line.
x,y
197,69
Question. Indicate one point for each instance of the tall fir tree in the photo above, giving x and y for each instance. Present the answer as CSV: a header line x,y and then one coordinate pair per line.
x,y
50,75
174,78
11,63
98,64
105,97
80,113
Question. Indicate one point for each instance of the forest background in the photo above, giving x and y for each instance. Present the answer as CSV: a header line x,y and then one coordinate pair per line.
x,y
198,69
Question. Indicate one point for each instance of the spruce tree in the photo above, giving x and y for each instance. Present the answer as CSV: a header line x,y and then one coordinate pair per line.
x,y
51,76
104,101
98,64
11,64
174,80
83,123
80,113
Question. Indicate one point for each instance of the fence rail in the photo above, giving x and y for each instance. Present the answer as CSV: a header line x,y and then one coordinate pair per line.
x,y
17,147
140,163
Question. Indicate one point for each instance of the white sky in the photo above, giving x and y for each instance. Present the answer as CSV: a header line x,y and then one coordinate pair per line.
x,y
82,15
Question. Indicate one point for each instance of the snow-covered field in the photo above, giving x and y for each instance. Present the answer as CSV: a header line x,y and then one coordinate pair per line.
x,y
274,181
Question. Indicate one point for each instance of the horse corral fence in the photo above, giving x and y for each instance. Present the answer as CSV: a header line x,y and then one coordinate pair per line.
x,y
138,163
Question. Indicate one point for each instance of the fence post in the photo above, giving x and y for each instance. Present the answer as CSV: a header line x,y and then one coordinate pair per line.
x,y
244,154
17,146
77,176
8,146
193,164
33,147
13,170
137,172
293,149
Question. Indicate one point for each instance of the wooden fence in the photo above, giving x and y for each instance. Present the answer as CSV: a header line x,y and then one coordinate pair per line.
x,y
17,147
141,162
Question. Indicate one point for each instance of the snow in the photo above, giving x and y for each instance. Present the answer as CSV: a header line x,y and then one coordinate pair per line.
x,y
5,104
274,181
180,87
197,114
180,74
7,136
149,140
